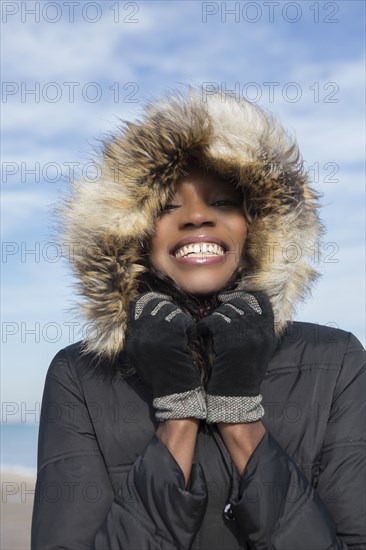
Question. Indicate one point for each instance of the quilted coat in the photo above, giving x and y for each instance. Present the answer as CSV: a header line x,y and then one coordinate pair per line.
x,y
105,480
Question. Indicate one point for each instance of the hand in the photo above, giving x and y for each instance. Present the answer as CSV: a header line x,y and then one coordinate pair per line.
x,y
157,345
242,329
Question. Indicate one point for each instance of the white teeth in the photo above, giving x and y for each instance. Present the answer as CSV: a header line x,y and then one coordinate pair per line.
x,y
200,249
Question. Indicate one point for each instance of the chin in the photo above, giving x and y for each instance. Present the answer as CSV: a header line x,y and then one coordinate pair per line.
x,y
203,289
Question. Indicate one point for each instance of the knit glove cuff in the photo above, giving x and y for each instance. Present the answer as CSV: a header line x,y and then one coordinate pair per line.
x,y
234,409
189,404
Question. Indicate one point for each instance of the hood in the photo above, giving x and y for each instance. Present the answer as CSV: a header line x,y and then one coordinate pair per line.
x,y
105,223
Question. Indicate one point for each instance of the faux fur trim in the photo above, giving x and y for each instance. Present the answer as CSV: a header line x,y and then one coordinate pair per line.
x,y
105,223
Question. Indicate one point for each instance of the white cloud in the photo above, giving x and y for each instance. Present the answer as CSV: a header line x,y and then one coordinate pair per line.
x,y
19,207
339,295
65,51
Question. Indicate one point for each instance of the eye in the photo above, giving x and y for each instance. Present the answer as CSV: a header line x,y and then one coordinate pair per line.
x,y
228,203
224,202
168,207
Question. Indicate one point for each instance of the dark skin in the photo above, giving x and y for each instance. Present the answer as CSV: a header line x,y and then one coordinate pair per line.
x,y
179,436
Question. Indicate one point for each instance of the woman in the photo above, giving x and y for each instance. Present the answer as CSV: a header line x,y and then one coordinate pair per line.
x,y
195,414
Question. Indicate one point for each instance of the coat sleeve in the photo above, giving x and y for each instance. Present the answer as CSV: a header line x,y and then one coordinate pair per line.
x,y
75,506
276,506
153,509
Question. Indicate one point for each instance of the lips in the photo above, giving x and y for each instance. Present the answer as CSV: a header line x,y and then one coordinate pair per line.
x,y
199,239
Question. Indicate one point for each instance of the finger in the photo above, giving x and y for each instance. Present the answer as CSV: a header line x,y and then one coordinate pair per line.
x,y
264,303
232,310
180,319
147,303
205,326
159,306
202,327
243,301
191,329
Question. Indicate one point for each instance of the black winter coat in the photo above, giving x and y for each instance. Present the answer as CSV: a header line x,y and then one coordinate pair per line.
x,y
105,481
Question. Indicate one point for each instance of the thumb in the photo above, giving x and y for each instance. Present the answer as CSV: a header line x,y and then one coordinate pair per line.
x,y
202,328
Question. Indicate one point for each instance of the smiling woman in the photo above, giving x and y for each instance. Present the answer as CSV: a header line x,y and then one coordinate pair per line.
x,y
198,242
175,426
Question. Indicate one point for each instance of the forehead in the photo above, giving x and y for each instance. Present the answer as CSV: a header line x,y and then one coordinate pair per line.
x,y
203,181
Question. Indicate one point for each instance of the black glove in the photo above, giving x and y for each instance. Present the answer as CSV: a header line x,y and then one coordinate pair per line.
x,y
157,345
242,329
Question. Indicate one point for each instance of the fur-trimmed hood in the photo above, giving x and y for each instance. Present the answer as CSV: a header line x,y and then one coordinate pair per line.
x,y
106,223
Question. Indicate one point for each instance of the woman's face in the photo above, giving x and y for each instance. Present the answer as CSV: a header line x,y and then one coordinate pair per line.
x,y
205,209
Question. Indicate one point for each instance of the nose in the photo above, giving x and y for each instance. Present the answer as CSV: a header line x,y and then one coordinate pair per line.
x,y
196,213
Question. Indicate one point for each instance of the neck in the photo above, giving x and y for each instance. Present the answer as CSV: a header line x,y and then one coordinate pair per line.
x,y
204,303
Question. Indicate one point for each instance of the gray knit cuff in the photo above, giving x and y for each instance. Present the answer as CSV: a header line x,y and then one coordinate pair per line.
x,y
233,410
189,404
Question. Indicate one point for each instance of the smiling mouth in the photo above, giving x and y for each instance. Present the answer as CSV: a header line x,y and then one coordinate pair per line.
x,y
199,250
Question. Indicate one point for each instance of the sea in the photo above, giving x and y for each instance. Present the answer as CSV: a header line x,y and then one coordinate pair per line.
x,y
18,449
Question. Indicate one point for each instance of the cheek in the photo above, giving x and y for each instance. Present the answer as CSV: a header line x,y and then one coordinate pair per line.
x,y
240,230
157,242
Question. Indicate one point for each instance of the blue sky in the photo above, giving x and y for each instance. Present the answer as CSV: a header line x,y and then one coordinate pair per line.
x,y
309,54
